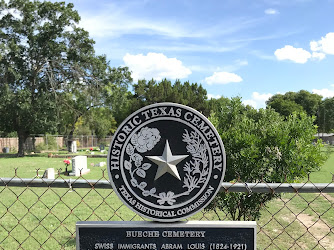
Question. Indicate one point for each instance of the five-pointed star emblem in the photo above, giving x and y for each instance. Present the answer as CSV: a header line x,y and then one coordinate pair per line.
x,y
167,162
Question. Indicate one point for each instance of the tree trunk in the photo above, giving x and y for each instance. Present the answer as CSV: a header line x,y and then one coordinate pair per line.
x,y
22,139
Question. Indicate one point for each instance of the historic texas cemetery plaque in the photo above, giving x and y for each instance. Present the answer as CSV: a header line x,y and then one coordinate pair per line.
x,y
166,162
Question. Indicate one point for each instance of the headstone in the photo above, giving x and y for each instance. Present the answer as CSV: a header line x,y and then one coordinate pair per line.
x,y
101,147
100,164
79,165
73,148
49,174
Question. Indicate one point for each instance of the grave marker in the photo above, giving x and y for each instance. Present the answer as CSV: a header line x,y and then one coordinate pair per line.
x,y
79,165
49,173
72,146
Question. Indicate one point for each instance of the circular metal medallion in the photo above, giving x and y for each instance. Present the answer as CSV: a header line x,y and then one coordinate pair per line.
x,y
166,162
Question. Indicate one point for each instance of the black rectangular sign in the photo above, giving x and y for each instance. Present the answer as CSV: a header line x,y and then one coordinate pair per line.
x,y
178,235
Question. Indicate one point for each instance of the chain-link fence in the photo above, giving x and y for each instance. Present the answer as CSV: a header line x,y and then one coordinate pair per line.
x,y
41,213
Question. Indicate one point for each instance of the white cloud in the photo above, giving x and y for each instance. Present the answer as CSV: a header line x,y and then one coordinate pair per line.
x,y
314,46
297,55
222,78
212,96
155,65
123,18
319,50
319,56
325,45
119,25
325,93
115,20
250,102
258,100
192,47
271,12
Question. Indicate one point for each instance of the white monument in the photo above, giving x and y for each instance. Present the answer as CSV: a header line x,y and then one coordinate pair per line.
x,y
79,163
73,148
49,173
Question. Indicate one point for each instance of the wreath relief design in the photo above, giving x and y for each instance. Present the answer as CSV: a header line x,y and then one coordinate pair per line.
x,y
196,170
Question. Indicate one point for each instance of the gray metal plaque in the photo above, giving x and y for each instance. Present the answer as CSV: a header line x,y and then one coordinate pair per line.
x,y
178,235
166,162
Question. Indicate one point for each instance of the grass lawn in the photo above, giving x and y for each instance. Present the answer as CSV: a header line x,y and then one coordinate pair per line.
x,y
45,218
326,172
27,166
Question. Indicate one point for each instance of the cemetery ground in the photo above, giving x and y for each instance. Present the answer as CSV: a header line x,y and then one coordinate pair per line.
x,y
46,217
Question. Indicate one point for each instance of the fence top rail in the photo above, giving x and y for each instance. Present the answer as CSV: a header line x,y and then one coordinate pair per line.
x,y
226,186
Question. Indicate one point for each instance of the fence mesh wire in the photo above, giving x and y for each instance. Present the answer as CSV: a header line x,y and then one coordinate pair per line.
x,y
42,213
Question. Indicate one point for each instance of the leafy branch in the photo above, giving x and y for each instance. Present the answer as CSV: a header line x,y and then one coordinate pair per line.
x,y
197,169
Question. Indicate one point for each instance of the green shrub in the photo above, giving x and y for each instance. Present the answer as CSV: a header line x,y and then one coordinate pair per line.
x,y
262,145
50,144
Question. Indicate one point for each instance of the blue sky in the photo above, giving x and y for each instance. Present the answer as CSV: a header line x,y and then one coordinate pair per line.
x,y
252,49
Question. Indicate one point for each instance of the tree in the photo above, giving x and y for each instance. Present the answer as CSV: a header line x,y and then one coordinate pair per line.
x,y
325,119
283,105
309,101
116,95
263,146
295,102
150,92
48,68
26,113
33,42
108,91
217,106
101,122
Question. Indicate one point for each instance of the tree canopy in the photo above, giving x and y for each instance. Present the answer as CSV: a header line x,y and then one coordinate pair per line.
x,y
295,102
325,118
49,70
149,92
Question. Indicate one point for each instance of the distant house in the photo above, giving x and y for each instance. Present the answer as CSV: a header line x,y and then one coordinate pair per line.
x,y
326,138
